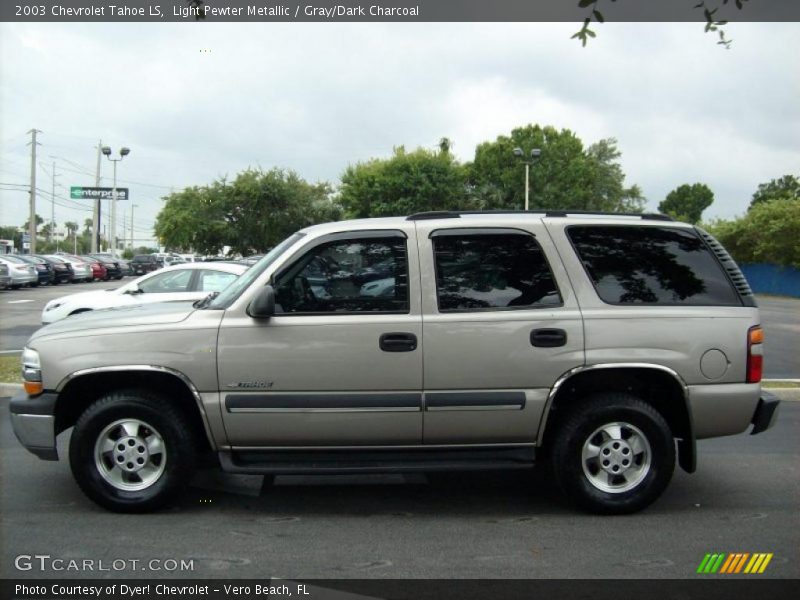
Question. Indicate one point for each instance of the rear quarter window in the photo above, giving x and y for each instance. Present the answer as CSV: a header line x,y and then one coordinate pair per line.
x,y
651,265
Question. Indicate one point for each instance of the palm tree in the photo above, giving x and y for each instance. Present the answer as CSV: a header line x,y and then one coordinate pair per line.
x,y
72,228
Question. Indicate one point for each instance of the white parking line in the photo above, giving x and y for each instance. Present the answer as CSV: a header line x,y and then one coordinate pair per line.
x,y
11,351
18,301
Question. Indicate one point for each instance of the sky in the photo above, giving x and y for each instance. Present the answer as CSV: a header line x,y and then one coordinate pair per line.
x,y
198,101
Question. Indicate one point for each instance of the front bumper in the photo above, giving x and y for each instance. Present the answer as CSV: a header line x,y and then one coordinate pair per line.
x,y
34,423
766,412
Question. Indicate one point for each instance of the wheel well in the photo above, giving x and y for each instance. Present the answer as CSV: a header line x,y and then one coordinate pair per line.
x,y
81,392
658,388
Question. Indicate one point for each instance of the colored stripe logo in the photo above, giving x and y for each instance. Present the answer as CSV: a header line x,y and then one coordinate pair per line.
x,y
737,562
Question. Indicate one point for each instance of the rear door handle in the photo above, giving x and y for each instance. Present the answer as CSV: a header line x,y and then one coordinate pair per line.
x,y
398,342
548,338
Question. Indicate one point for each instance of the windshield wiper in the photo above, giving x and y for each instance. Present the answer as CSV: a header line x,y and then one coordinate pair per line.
x,y
205,301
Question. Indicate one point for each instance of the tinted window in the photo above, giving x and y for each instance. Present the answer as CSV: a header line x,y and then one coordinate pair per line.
x,y
496,270
651,265
355,275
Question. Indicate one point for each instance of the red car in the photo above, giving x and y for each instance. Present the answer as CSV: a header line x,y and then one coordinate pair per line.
x,y
99,272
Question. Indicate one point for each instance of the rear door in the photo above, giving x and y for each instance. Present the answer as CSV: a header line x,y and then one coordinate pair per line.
x,y
501,324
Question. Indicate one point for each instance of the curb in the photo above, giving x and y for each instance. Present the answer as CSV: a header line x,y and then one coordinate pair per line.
x,y
10,389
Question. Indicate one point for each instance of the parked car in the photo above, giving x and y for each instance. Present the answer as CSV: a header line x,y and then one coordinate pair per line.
x,y
5,278
22,273
99,270
181,282
81,271
145,263
124,267
44,270
62,270
604,345
111,265
117,268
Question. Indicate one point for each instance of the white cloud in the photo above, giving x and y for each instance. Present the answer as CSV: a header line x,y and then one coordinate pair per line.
x,y
315,97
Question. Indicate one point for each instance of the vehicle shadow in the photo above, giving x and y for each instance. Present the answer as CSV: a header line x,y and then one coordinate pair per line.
x,y
501,495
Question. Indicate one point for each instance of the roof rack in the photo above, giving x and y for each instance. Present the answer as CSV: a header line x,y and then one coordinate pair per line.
x,y
455,214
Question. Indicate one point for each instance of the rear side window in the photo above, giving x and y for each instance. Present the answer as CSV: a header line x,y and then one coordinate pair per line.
x,y
651,265
491,270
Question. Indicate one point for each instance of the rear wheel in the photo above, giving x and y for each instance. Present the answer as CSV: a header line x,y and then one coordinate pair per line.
x,y
131,451
614,454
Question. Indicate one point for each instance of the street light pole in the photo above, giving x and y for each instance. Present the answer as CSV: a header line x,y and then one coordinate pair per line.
x,y
123,152
535,154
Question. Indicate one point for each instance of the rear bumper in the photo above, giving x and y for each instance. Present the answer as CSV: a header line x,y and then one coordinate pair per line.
x,y
33,421
766,413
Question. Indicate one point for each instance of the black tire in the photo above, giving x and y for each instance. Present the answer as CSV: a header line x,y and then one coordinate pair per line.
x,y
645,481
153,411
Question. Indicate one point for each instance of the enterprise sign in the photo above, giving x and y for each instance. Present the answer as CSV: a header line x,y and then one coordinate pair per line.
x,y
97,193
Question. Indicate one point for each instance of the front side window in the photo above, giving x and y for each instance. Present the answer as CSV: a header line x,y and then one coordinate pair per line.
x,y
651,265
356,275
492,270
166,283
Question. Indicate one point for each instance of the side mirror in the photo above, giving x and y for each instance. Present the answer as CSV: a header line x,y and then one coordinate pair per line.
x,y
263,305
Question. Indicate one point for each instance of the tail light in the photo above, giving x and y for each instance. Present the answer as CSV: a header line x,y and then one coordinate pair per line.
x,y
755,354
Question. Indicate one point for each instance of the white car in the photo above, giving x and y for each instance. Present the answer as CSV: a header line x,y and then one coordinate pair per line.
x,y
82,269
378,288
192,281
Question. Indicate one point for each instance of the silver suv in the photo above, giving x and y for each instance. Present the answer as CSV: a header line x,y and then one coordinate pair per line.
x,y
603,345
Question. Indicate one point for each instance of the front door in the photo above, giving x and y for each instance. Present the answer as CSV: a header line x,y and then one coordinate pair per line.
x,y
340,363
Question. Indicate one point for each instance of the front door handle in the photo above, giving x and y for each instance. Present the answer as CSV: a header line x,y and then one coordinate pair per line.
x,y
398,342
548,338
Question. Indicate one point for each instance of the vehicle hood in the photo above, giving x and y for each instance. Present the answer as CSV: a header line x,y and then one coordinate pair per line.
x,y
140,315
95,295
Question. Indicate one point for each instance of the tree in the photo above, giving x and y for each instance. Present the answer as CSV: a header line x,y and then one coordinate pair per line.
x,y
250,214
39,220
566,176
405,183
767,233
709,7
687,202
787,187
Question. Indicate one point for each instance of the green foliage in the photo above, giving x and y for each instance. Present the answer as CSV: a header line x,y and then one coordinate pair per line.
x,y
406,183
566,176
768,233
687,202
712,24
250,214
785,188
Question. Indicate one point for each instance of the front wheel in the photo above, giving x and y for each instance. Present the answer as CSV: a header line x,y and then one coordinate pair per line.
x,y
613,454
131,451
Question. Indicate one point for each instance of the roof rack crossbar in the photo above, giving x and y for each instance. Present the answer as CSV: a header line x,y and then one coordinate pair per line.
x,y
455,214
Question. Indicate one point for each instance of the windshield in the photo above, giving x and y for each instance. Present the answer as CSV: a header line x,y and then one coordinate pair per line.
x,y
226,298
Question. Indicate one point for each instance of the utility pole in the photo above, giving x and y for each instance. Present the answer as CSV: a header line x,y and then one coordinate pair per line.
x,y
96,213
32,218
52,207
132,207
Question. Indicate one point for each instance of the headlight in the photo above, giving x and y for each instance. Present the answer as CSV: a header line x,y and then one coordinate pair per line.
x,y
52,306
31,371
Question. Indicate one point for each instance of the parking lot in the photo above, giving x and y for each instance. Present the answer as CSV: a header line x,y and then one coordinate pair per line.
x,y
745,497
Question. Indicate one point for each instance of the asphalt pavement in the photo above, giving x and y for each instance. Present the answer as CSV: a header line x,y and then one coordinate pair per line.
x,y
745,497
21,311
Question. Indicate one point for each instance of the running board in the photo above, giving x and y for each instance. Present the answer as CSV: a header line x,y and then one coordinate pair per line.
x,y
354,461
